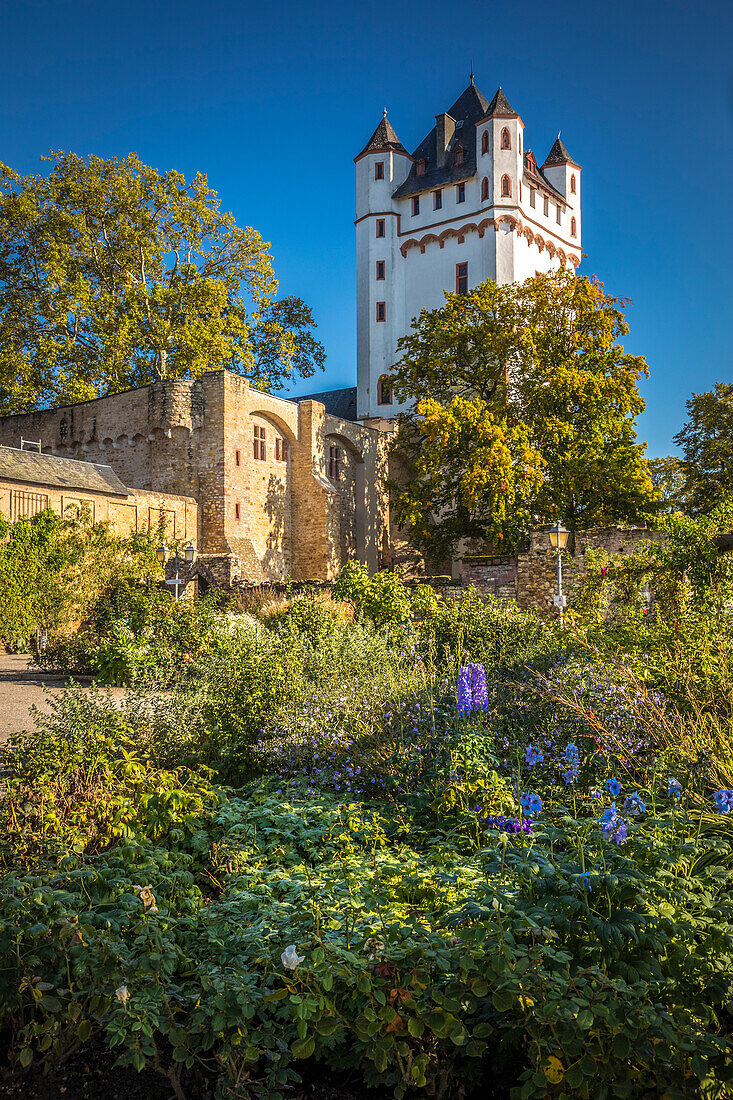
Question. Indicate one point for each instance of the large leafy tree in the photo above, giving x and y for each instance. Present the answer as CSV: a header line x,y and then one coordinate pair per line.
x,y
522,409
707,448
114,275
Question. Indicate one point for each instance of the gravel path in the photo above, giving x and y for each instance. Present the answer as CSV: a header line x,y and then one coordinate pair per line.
x,y
19,692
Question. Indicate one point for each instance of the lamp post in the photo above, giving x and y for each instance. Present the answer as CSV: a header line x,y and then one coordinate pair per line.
x,y
558,542
189,553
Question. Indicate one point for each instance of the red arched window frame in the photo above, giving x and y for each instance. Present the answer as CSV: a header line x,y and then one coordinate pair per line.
x,y
485,142
506,187
484,189
458,154
384,390
573,227
506,139
572,184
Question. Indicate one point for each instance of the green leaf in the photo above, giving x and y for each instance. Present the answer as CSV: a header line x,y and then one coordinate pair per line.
x,y
84,1030
303,1048
502,1000
415,1027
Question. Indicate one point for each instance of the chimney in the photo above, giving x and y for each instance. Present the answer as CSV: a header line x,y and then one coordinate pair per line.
x,y
444,129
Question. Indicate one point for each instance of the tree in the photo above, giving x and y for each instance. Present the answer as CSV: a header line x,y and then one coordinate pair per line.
x,y
707,448
668,480
114,275
539,368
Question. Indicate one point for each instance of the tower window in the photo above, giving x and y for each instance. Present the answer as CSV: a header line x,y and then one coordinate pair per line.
x,y
531,196
437,200
546,207
334,463
379,170
415,205
237,511
281,449
381,311
380,269
572,184
238,458
559,215
260,444
462,278
384,390
484,189
461,192
420,167
484,142
380,227
506,139
573,227
506,187
458,154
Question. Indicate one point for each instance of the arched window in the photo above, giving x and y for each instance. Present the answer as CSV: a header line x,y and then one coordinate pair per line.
x,y
458,154
506,187
384,390
485,142
506,139
484,189
420,167
572,184
573,227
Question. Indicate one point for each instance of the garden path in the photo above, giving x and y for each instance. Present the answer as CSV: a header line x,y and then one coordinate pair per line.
x,y
22,687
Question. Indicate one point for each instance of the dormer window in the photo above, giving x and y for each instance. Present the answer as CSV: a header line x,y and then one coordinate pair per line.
x,y
379,170
420,167
458,155
506,187
484,189
384,390
572,184
531,163
484,142
506,139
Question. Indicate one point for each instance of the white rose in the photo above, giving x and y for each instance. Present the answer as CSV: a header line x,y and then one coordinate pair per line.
x,y
290,957
122,993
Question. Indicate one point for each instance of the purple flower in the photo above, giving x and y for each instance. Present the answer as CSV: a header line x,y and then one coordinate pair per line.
x,y
507,824
533,755
674,788
723,801
613,827
633,806
473,693
531,803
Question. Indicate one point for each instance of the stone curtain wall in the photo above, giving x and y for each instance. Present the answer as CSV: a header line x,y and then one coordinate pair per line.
x,y
530,577
258,520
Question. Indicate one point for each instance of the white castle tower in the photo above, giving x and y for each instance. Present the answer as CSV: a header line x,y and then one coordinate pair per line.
x,y
469,204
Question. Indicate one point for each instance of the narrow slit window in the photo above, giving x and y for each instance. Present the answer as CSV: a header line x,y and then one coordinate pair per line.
x,y
484,189
380,269
461,192
380,227
462,278
484,142
238,458
381,311
379,170
281,449
546,208
506,139
415,205
237,511
572,185
334,463
506,187
559,215
384,391
437,200
573,227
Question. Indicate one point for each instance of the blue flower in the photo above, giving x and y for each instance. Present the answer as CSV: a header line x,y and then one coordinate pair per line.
x,y
674,788
531,804
634,805
613,827
572,755
584,881
723,801
613,787
533,755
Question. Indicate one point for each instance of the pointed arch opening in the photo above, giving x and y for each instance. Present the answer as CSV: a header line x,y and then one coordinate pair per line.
x,y
573,185
506,187
485,142
573,227
484,189
506,138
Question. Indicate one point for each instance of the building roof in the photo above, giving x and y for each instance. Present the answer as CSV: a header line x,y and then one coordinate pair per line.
x,y
340,403
468,109
500,107
383,139
58,473
559,155
539,175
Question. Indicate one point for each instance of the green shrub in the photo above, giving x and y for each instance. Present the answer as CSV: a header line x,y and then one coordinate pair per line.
x,y
384,597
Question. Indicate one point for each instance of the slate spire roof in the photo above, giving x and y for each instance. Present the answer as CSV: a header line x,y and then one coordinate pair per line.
x,y
559,155
500,106
384,138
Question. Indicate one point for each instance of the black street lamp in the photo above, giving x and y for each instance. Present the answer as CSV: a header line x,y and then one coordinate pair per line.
x,y
189,553
558,542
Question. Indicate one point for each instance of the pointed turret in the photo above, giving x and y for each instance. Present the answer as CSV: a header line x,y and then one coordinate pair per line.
x,y
500,107
559,155
383,139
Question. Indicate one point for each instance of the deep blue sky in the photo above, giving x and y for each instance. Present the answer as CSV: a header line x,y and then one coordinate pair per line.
x,y
273,101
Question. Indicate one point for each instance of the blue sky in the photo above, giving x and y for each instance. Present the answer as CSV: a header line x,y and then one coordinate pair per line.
x,y
273,100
